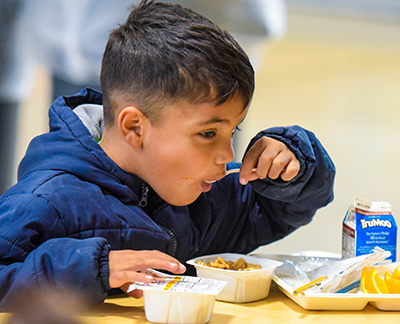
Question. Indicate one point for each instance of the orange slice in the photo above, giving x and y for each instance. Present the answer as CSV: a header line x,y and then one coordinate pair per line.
x,y
392,283
371,283
388,276
396,273
367,284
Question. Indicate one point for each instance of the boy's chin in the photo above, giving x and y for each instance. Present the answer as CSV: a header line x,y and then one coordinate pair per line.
x,y
180,201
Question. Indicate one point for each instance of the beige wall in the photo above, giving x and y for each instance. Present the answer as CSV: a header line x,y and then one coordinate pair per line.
x,y
339,78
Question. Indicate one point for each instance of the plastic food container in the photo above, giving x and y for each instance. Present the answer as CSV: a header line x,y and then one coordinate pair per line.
x,y
243,286
177,307
178,299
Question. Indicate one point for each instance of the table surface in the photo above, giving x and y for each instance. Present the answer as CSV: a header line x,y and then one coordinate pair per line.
x,y
276,308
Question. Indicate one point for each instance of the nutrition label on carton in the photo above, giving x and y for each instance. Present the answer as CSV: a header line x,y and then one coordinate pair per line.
x,y
368,224
163,281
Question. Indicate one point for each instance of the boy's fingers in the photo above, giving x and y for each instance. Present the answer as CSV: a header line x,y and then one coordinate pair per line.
x,y
162,261
292,169
252,160
254,175
272,158
162,264
280,166
125,278
247,175
125,266
137,293
141,260
271,163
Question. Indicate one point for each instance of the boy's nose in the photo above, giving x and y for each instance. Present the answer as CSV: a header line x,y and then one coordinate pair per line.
x,y
225,154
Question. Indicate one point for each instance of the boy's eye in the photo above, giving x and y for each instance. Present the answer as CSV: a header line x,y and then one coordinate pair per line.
x,y
209,134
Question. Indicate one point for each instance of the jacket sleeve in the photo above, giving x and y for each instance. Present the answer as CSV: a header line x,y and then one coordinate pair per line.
x,y
31,263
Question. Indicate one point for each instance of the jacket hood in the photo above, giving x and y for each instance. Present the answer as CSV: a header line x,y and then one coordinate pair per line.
x,y
69,147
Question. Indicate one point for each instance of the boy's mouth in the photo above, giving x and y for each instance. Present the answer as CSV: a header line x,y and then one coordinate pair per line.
x,y
216,179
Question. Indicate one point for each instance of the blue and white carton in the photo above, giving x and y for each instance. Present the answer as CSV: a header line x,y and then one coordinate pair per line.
x,y
368,224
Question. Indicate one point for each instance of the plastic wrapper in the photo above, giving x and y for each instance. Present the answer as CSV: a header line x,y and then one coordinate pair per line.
x,y
336,275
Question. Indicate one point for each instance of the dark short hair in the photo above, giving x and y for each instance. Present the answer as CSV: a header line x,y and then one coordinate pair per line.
x,y
164,54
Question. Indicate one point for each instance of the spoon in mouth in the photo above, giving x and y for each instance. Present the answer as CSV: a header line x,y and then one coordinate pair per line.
x,y
234,170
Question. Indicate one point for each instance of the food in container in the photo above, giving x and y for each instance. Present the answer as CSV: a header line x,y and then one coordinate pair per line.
x,y
243,286
178,299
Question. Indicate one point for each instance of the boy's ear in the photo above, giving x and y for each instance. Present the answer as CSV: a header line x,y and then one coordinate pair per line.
x,y
130,123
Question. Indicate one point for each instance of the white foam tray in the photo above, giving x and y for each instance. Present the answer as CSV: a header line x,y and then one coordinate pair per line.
x,y
331,301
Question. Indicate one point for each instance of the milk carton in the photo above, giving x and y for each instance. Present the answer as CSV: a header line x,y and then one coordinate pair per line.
x,y
368,224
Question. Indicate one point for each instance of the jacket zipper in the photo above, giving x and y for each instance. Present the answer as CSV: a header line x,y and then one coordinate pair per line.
x,y
143,200
174,242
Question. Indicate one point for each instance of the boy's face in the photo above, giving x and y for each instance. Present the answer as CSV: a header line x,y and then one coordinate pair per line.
x,y
190,146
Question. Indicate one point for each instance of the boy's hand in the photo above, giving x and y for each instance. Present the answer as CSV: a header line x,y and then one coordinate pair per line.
x,y
125,266
272,158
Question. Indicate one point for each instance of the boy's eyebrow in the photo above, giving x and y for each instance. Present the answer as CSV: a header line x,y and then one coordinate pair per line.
x,y
214,120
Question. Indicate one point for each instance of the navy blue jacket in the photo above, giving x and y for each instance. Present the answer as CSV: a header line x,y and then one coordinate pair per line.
x,y
72,203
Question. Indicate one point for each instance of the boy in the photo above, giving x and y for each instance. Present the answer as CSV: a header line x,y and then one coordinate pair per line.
x,y
91,216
